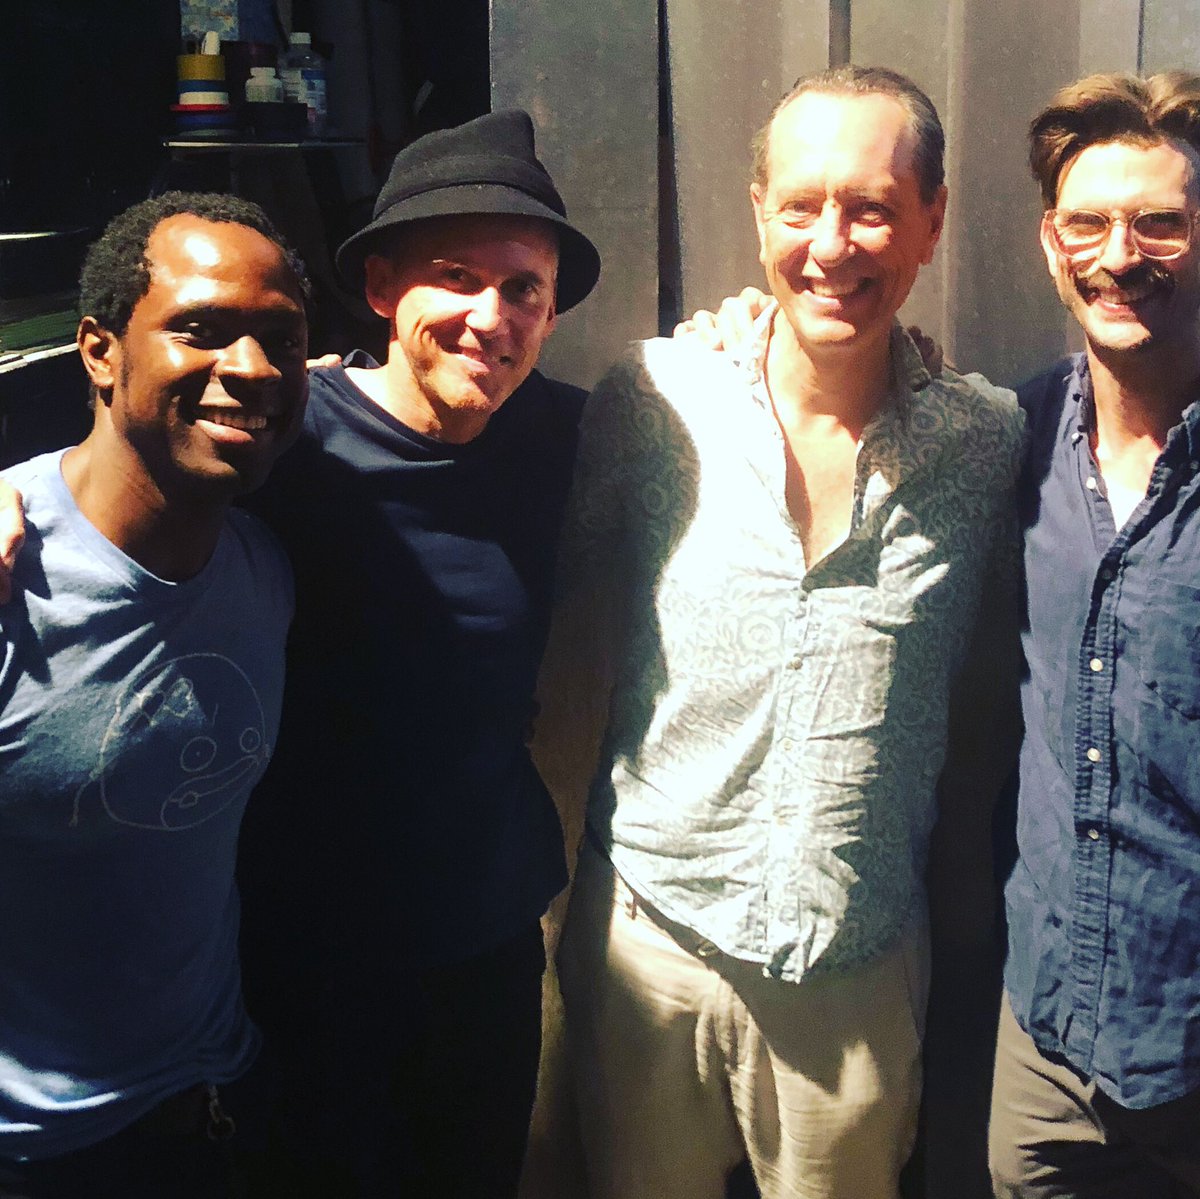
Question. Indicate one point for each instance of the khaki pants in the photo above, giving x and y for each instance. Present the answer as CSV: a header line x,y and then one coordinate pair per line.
x,y
687,1061
1054,1136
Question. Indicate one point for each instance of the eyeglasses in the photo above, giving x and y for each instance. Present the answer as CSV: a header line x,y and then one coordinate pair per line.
x,y
1159,233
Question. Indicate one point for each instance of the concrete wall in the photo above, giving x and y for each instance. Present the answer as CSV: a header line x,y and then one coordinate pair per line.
x,y
663,188
587,71
729,62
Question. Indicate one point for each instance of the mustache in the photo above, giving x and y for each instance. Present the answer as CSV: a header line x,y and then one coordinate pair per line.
x,y
1145,273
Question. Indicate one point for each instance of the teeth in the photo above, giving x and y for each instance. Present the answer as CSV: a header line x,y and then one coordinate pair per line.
x,y
234,419
1108,294
831,291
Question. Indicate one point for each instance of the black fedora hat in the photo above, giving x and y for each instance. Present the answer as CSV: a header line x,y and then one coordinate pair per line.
x,y
486,167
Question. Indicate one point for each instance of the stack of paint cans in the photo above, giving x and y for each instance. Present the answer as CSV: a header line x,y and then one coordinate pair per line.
x,y
203,110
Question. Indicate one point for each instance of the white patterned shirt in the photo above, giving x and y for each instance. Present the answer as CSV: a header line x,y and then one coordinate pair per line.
x,y
775,734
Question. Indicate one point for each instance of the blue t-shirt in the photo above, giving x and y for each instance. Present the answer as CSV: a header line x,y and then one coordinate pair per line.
x,y
135,717
1104,903
402,819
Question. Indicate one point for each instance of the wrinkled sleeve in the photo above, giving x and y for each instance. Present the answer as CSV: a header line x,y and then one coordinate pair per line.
x,y
587,629
984,721
595,511
983,735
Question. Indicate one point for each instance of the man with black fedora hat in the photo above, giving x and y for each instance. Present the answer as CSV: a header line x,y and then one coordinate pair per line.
x,y
399,856
485,167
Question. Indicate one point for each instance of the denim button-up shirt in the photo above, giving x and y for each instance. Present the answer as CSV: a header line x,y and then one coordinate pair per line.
x,y
776,730
1104,903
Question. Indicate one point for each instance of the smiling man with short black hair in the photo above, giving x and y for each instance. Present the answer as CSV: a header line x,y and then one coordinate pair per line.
x,y
141,675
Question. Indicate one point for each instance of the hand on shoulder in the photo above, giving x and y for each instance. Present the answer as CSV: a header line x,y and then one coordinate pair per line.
x,y
731,326
12,535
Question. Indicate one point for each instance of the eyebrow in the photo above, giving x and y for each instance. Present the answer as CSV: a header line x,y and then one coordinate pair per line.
x,y
877,193
526,275
202,310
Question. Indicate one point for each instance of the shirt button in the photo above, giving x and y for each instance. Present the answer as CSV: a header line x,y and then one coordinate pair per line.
x,y
788,746
1096,665
1093,834
795,663
1093,754
1107,575
1090,483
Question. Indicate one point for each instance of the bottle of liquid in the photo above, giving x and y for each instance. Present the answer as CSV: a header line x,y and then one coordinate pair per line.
x,y
263,86
303,77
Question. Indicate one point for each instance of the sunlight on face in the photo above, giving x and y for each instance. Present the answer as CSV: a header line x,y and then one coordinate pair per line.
x,y
843,227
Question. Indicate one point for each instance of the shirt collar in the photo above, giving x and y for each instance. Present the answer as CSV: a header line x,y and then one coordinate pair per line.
x,y
751,357
922,418
914,427
1079,389
909,373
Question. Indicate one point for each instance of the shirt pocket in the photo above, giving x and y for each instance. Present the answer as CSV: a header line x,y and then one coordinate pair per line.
x,y
1170,663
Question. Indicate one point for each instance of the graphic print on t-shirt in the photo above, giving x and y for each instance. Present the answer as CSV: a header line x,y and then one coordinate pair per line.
x,y
202,739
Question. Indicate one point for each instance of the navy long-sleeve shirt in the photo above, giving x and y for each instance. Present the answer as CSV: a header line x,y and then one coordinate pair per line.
x,y
1104,903
403,815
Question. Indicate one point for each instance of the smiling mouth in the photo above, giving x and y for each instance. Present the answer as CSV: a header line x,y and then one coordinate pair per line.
x,y
823,289
238,418
1121,298
483,360
1106,289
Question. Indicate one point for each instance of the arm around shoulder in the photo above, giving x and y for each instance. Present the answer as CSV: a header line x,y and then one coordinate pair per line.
x,y
12,535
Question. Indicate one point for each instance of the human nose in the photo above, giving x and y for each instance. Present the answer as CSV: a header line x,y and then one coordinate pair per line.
x,y
484,313
830,239
1118,251
246,359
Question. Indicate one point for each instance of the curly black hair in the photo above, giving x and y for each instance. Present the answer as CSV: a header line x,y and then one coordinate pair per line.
x,y
116,272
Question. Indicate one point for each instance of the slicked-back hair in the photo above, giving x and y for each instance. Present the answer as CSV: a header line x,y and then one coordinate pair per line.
x,y
1111,108
116,270
930,149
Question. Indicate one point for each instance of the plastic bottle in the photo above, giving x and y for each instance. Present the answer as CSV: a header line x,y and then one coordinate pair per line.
x,y
263,86
304,80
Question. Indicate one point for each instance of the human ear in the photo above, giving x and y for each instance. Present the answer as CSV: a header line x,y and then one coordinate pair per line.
x,y
1048,247
100,350
756,202
937,221
380,277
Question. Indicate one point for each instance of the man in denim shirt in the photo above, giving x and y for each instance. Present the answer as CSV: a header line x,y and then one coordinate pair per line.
x,y
1097,1087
